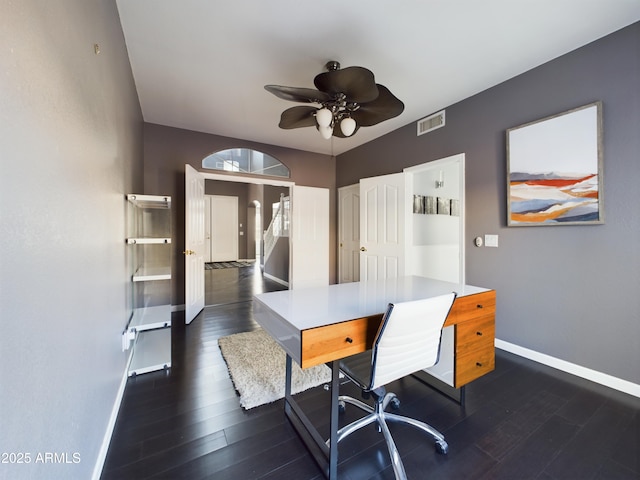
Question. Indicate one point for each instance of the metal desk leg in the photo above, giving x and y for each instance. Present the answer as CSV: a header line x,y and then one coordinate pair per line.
x,y
333,436
325,456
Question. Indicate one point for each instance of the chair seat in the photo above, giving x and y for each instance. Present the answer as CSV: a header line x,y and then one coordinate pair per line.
x,y
358,368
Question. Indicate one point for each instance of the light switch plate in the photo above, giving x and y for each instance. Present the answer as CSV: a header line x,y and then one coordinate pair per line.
x,y
491,240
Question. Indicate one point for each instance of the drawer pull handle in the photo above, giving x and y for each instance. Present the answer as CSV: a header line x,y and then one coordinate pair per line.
x,y
349,340
478,364
479,334
479,306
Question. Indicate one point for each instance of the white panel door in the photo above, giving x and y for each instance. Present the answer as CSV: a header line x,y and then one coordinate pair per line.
x,y
224,228
309,237
349,234
194,243
207,228
382,214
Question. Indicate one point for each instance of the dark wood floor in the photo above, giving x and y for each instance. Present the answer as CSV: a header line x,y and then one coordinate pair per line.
x,y
523,420
233,285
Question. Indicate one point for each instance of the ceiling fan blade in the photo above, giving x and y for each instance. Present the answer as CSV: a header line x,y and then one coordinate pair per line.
x,y
295,94
357,83
383,108
298,117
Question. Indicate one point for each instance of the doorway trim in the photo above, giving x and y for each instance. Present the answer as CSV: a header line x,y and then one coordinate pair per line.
x,y
246,180
256,181
438,164
457,159
240,179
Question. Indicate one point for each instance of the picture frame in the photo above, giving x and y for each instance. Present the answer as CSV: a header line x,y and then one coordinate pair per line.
x,y
555,171
444,206
431,206
418,204
455,207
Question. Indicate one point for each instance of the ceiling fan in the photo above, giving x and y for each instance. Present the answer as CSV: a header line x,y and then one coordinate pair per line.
x,y
349,98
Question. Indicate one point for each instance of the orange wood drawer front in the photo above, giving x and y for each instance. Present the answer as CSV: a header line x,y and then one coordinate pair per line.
x,y
474,317
474,364
472,306
325,344
475,334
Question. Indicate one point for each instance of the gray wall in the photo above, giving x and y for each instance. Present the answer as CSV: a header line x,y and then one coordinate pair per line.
x,y
167,150
572,292
70,148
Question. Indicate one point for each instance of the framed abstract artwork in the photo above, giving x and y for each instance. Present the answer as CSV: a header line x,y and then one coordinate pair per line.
x,y
554,170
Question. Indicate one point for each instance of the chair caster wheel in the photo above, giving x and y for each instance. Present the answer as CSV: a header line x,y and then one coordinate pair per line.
x,y
442,447
395,403
342,406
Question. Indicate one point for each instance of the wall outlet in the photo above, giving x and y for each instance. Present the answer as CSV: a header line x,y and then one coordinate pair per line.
x,y
491,240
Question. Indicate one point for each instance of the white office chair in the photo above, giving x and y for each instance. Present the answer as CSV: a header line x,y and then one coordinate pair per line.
x,y
407,341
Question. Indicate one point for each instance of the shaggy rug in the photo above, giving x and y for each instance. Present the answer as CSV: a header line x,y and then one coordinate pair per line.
x,y
257,363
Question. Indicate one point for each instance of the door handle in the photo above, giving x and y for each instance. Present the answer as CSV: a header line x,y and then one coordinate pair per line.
x,y
189,252
362,249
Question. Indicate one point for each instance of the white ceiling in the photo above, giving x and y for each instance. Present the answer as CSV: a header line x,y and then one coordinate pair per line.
x,y
202,64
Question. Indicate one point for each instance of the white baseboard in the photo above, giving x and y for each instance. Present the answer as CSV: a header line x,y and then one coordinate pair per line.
x,y
106,441
276,279
178,308
577,370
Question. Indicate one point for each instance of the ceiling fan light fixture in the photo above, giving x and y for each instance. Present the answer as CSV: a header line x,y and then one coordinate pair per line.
x,y
349,97
348,126
324,117
326,132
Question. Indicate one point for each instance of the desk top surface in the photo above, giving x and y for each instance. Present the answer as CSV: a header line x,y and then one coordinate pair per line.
x,y
319,306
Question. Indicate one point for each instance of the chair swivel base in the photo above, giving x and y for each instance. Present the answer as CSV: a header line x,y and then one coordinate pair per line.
x,y
378,414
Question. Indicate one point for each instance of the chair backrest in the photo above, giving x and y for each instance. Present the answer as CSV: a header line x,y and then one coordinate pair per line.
x,y
408,339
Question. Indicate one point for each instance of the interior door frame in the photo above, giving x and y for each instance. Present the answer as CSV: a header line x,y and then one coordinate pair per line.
x,y
432,165
438,164
257,181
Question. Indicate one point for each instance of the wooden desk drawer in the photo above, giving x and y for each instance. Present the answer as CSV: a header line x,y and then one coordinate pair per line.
x,y
472,306
325,344
475,334
472,365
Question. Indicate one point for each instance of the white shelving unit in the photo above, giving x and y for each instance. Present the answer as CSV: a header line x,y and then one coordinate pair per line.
x,y
149,241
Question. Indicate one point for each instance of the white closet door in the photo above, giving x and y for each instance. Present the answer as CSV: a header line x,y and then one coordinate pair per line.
x,y
349,234
382,226
224,228
309,237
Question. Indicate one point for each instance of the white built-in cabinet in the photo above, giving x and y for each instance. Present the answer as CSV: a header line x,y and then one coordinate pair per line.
x,y
148,241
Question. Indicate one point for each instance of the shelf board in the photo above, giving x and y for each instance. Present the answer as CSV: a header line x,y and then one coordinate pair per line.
x,y
152,351
147,318
150,201
145,273
148,241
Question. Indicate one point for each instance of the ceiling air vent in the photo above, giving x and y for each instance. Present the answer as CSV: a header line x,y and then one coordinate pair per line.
x,y
431,122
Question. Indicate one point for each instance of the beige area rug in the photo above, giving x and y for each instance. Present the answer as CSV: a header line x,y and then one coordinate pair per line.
x,y
257,367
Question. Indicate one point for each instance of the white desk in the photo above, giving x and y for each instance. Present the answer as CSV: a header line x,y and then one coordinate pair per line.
x,y
324,324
